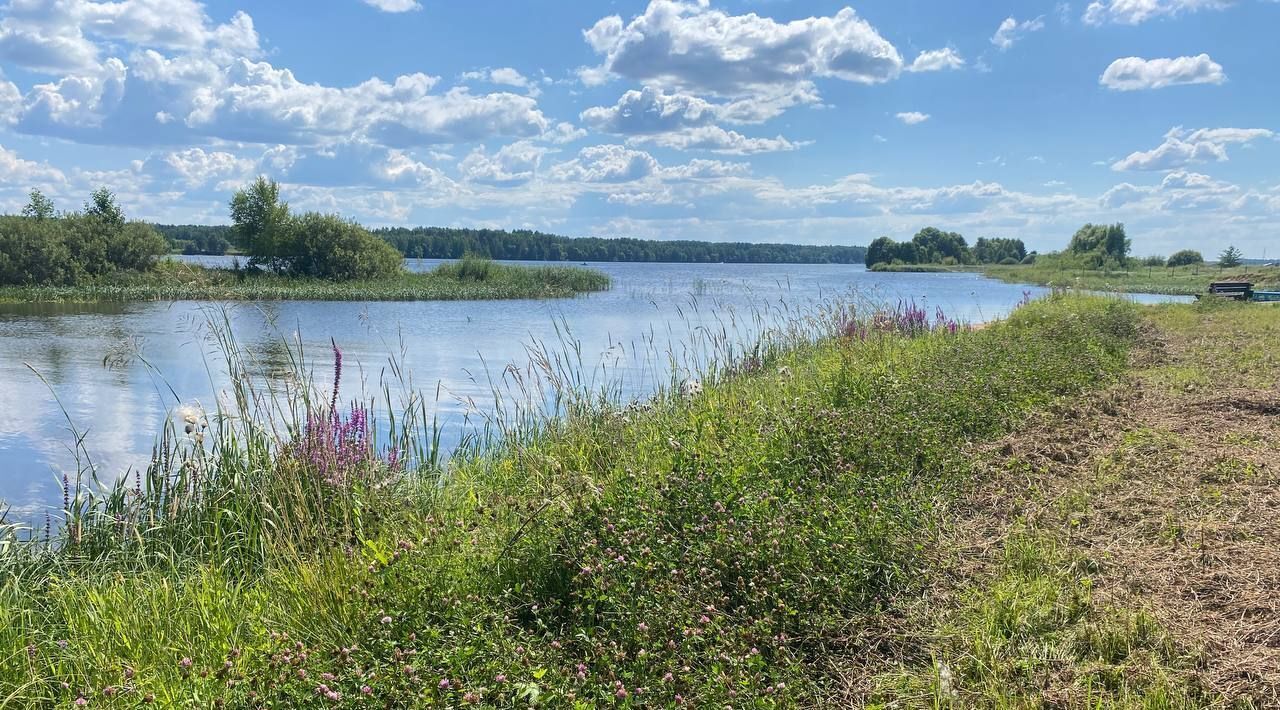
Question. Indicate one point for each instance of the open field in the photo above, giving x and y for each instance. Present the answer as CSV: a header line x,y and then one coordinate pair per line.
x,y
176,281
1179,281
1067,508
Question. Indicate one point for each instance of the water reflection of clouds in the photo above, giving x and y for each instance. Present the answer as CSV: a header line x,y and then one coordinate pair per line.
x,y
626,337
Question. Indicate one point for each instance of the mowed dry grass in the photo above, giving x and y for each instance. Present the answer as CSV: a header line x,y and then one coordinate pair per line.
x,y
1150,513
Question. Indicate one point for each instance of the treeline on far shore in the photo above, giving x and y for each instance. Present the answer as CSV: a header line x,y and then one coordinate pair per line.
x,y
527,245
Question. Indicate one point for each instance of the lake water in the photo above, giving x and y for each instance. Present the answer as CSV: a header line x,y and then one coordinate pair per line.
x,y
114,368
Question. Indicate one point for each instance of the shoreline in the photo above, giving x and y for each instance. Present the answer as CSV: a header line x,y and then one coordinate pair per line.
x,y
177,281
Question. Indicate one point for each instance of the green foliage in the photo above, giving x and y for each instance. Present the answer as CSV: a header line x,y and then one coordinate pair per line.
x,y
196,238
102,206
260,224
38,206
329,247
1153,261
1185,257
997,251
451,243
311,245
933,246
76,248
526,245
1230,258
1100,246
707,550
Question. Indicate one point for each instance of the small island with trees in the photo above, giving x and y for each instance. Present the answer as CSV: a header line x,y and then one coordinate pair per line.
x,y
96,254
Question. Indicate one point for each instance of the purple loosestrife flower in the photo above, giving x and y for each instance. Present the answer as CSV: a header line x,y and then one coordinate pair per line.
x,y
337,377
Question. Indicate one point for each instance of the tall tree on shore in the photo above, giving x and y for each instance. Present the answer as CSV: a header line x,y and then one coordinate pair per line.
x,y
260,222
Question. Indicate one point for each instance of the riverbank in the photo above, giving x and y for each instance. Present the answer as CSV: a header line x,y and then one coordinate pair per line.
x,y
1178,281
464,280
724,546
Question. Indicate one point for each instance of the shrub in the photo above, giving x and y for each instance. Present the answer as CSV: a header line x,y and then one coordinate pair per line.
x,y
1010,261
1186,257
33,252
1153,260
67,250
329,247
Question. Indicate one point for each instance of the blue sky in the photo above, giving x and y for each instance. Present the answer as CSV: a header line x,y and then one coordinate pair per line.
x,y
765,120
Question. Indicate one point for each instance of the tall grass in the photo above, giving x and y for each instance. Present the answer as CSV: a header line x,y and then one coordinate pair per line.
x,y
709,546
469,279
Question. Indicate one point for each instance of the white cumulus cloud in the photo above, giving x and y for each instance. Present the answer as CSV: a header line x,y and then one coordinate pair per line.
x,y
688,45
912,118
937,60
1182,147
1134,73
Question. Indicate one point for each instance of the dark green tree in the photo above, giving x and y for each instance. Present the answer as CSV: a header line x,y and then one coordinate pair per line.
x,y
1099,245
1230,258
880,251
1186,257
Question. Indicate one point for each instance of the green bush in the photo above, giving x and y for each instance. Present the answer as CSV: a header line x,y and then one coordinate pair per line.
x,y
1186,257
329,247
76,247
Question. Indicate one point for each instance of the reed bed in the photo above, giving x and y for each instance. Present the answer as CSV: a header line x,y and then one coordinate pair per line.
x,y
714,544
469,279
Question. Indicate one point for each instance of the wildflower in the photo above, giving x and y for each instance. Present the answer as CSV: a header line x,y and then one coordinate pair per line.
x,y
333,695
470,698
643,626
690,388
62,643
184,663
444,684
667,678
386,620
81,702
500,678
366,690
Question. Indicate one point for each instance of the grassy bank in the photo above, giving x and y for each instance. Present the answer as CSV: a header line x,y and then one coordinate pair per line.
x,y
1118,550
724,547
1178,281
468,279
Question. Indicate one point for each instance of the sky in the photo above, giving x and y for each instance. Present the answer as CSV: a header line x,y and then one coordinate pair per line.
x,y
801,121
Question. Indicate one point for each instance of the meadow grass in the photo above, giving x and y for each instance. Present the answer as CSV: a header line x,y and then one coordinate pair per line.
x,y
468,279
712,546
1178,281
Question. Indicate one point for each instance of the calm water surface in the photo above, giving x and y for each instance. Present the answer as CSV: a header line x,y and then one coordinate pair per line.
x,y
113,366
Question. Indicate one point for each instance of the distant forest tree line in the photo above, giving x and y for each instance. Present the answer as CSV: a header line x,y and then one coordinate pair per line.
x,y
934,246
527,245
